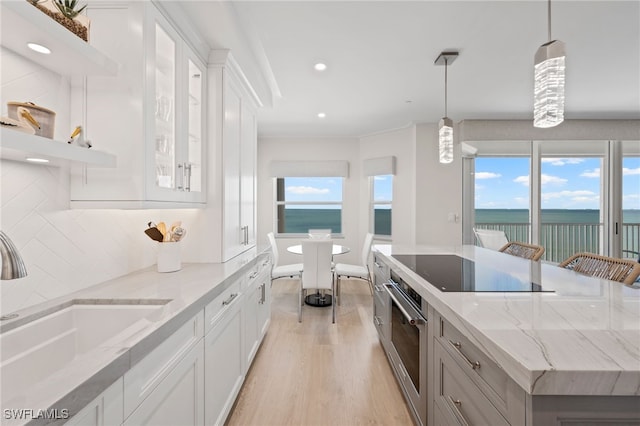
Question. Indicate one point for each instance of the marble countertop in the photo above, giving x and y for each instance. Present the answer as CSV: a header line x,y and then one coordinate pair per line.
x,y
189,291
581,339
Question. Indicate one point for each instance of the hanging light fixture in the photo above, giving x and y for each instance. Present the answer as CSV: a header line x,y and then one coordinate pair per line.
x,y
548,107
445,132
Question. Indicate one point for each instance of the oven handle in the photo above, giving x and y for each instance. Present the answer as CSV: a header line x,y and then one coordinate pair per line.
x,y
415,317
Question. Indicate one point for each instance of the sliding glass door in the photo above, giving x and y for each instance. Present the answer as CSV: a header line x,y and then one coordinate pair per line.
x,y
572,198
563,195
631,200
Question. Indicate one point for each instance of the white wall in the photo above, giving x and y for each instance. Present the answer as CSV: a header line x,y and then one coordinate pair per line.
x,y
439,190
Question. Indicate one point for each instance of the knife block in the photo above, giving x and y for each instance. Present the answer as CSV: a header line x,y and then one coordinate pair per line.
x,y
169,259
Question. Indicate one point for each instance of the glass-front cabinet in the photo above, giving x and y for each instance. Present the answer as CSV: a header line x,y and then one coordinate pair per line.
x,y
150,115
178,82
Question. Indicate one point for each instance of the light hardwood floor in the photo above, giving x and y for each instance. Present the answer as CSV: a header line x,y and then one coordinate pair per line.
x,y
319,373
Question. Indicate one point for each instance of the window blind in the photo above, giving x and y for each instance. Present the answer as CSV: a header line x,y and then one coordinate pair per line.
x,y
380,166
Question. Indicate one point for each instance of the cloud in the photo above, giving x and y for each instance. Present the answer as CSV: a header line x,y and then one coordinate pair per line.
x,y
562,161
303,190
380,178
595,173
555,180
578,196
628,172
521,200
544,180
487,175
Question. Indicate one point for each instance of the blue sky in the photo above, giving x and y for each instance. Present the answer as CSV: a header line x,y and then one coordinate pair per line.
x,y
503,183
567,183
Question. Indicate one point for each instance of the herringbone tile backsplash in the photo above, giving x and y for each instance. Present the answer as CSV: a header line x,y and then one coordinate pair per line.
x,y
66,250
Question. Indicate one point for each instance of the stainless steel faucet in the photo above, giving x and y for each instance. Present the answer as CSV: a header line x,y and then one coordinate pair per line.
x,y
12,264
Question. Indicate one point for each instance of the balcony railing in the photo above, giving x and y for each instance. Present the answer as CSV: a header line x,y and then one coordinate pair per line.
x,y
561,240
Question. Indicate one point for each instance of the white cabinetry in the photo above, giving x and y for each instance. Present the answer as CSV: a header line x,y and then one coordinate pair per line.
x,y
105,410
223,360
179,398
256,311
151,114
233,110
167,386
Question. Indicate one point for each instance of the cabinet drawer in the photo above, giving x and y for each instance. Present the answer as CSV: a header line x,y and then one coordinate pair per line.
x,y
218,306
493,380
144,377
459,396
252,274
380,268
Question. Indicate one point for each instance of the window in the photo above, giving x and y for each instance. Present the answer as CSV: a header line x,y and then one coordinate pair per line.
x,y
381,204
305,203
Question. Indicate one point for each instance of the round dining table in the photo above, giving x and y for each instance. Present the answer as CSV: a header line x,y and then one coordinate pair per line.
x,y
319,299
336,250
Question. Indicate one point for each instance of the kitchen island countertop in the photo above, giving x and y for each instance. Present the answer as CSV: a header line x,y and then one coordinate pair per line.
x,y
583,338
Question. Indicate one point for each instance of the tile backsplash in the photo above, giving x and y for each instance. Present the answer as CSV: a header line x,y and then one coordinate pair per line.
x,y
66,250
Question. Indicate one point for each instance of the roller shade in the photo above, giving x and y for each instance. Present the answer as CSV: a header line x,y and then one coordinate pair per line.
x,y
380,166
281,169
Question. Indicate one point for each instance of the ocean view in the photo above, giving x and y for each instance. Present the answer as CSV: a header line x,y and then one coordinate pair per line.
x,y
549,216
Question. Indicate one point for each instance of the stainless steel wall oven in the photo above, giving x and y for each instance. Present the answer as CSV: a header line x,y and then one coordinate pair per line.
x,y
408,338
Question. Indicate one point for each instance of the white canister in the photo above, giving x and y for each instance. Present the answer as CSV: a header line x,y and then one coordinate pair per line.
x,y
169,256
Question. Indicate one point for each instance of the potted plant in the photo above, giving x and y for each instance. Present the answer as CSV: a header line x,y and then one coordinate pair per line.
x,y
67,13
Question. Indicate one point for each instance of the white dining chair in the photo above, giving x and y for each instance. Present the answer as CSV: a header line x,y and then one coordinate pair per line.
x,y
320,234
356,271
317,272
282,271
491,238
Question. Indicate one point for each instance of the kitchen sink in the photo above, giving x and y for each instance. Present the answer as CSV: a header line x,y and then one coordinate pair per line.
x,y
39,348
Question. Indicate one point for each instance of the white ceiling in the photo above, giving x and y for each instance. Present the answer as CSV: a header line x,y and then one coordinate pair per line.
x,y
380,58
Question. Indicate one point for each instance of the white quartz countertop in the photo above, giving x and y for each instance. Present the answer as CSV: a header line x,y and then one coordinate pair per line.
x,y
189,290
581,339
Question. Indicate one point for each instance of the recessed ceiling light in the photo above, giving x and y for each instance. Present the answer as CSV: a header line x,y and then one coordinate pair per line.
x,y
38,48
37,160
320,66
321,115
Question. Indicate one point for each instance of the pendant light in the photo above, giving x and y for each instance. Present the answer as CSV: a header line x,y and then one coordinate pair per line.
x,y
548,107
445,127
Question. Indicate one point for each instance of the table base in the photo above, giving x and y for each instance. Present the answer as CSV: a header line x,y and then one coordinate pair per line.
x,y
318,299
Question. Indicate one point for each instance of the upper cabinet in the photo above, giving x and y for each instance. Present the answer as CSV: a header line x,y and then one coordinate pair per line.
x,y
233,111
151,114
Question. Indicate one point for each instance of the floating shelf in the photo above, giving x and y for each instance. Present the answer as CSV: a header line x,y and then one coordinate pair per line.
x,y
19,146
70,55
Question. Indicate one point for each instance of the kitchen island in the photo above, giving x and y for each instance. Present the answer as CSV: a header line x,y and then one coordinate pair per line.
x,y
569,352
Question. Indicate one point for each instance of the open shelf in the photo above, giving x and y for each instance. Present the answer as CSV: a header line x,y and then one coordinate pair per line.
x,y
19,146
70,55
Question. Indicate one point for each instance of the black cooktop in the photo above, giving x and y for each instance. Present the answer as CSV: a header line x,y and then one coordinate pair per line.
x,y
451,273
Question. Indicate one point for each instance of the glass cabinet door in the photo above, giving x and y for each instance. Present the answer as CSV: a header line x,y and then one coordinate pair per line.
x,y
193,159
165,103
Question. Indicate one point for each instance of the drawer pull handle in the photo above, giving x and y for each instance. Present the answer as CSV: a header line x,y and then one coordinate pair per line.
x,y
378,288
377,320
253,275
456,403
458,347
230,299
377,265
